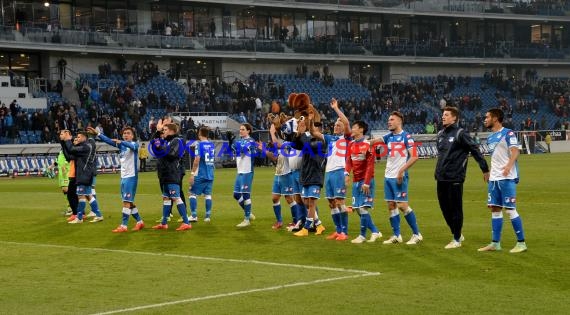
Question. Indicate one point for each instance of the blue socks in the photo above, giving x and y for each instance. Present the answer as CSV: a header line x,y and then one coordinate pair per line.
x,y
336,217
308,223
94,206
395,221
344,221
135,214
126,214
182,211
166,204
302,212
517,224
496,225
410,217
294,210
364,218
81,209
208,203
277,211
247,208
193,205
371,224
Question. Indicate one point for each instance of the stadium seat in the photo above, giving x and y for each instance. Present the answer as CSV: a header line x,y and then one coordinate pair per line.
x,y
4,169
115,161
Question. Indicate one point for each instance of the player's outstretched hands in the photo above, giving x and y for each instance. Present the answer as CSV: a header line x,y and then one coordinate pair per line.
x,y
92,131
334,104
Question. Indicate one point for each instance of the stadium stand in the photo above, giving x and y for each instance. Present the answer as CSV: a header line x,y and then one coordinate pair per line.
x,y
378,35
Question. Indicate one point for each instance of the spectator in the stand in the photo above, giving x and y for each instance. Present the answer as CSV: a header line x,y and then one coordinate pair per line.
x,y
283,35
281,91
316,74
10,128
242,119
61,65
46,135
168,30
295,32
276,31
258,104
14,108
164,100
152,99
184,125
2,127
212,28
59,87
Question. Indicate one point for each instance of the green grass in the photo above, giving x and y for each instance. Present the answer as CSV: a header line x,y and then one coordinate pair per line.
x,y
50,267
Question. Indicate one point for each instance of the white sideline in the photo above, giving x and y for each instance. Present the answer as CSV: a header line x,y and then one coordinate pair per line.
x,y
223,295
242,261
358,273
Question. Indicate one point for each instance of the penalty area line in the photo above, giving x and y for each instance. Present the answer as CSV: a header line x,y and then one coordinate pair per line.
x,y
230,294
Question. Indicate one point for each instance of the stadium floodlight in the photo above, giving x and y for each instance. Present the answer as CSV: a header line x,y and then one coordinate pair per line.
x,y
46,4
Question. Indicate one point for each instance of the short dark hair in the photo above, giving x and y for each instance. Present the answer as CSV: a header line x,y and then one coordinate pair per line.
x,y
248,127
204,131
497,113
83,133
361,124
398,114
453,110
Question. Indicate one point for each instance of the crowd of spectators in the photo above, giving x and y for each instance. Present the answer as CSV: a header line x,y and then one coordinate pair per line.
x,y
249,101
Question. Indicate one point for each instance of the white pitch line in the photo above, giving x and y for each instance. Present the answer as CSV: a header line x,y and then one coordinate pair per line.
x,y
241,261
223,295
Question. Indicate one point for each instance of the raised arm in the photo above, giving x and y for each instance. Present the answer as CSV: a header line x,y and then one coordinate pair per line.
x,y
341,116
273,133
315,132
107,140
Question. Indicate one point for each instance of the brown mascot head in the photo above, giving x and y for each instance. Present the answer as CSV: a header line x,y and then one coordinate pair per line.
x,y
302,107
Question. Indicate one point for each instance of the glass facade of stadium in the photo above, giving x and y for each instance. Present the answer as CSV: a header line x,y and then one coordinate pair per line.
x,y
368,35
481,29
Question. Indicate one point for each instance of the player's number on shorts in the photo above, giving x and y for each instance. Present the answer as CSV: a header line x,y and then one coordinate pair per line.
x,y
488,197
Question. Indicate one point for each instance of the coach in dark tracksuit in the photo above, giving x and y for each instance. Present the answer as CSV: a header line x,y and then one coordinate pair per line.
x,y
454,145
83,152
72,186
168,149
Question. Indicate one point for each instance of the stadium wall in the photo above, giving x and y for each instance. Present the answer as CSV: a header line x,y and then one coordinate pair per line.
x,y
408,70
339,70
90,63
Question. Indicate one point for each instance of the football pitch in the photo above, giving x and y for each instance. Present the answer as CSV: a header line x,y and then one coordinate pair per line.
x,y
50,267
